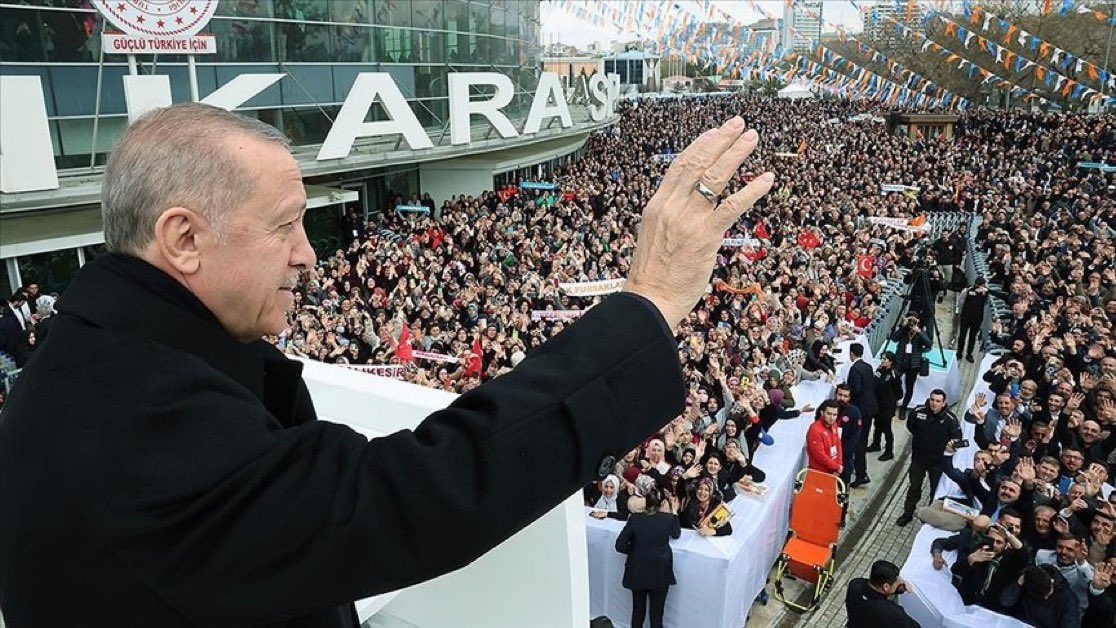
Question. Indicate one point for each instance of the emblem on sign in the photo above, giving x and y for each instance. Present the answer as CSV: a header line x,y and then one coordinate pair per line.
x,y
157,26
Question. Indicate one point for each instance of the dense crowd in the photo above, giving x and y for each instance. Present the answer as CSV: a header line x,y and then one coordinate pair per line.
x,y
482,275
461,293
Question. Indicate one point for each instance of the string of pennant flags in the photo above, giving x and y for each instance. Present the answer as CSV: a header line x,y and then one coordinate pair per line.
x,y
872,85
1055,81
1041,48
942,97
701,32
911,79
975,69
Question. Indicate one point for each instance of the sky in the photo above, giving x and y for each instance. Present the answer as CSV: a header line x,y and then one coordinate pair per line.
x,y
560,26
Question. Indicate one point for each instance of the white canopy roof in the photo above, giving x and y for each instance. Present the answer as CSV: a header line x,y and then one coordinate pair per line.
x,y
795,91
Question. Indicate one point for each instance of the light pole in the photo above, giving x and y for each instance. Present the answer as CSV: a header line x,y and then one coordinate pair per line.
x,y
1108,46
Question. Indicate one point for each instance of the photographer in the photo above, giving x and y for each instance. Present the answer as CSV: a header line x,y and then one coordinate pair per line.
x,y
867,603
970,311
983,575
911,342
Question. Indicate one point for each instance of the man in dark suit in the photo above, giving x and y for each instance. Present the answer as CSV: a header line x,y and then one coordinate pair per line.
x,y
189,481
862,386
649,568
13,329
867,600
851,422
888,392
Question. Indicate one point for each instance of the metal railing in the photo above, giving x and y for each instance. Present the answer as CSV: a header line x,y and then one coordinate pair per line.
x,y
976,265
891,302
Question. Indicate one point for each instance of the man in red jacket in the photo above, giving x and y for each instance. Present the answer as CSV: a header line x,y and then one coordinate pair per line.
x,y
823,441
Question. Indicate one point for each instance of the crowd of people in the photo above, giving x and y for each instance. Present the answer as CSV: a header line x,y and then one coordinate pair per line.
x,y
457,295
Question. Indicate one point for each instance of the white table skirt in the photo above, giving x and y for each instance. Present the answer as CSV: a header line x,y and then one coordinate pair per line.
x,y
718,577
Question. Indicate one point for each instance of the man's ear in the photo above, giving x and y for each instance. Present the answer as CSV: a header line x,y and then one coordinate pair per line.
x,y
177,234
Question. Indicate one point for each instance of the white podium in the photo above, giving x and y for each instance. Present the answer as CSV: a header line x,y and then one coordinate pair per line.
x,y
539,577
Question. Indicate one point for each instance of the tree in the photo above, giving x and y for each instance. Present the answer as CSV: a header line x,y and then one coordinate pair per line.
x,y
772,86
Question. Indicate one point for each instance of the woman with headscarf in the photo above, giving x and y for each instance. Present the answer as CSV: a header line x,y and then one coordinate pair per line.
x,y
612,503
649,568
695,513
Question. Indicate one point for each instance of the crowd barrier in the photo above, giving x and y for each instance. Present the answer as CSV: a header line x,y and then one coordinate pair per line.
x,y
891,302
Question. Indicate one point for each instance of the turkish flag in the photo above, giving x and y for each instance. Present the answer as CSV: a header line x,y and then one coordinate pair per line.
x,y
865,267
807,239
404,351
761,232
474,364
753,254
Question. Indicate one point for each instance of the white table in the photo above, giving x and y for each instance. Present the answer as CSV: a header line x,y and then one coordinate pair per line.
x,y
933,601
718,577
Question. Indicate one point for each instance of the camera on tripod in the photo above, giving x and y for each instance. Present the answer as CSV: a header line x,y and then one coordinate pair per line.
x,y
920,256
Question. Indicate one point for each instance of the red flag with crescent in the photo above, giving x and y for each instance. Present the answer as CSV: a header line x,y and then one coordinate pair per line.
x,y
807,239
865,266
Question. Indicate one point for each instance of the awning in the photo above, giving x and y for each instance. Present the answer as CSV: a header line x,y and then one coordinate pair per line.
x,y
31,232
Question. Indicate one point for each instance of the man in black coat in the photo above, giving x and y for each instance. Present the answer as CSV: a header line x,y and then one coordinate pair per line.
x,y
888,392
182,478
867,600
852,423
932,426
649,568
13,329
862,384
970,308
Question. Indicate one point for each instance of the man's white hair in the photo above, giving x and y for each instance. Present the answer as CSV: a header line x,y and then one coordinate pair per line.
x,y
177,156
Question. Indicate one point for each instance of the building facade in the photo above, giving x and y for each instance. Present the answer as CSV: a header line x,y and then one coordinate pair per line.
x,y
320,46
879,20
804,24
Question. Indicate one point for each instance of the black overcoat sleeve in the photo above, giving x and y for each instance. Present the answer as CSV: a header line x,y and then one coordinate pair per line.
x,y
232,520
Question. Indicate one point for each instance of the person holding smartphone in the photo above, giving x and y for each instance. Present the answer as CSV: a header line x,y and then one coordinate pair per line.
x,y
868,600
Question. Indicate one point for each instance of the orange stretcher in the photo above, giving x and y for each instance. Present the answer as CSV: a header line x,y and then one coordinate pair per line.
x,y
817,516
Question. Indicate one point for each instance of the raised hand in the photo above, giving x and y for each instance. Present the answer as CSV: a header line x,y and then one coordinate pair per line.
x,y
1075,401
1061,526
682,229
1013,429
981,555
1026,469
1102,575
692,472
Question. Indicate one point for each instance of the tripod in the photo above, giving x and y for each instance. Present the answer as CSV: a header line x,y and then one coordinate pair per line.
x,y
920,294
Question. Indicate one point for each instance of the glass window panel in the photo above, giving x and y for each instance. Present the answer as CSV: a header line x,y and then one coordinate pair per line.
x,y
430,80
351,42
498,18
393,12
394,46
21,38
430,47
69,36
297,40
53,271
244,40
428,14
479,19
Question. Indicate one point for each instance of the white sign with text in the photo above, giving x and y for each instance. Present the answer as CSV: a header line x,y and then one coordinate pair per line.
x,y
32,168
157,26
